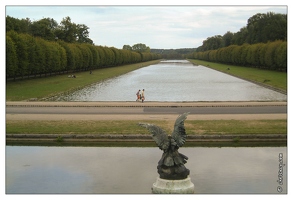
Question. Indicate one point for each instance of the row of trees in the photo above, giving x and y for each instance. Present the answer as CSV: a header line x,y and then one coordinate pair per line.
x,y
31,56
49,29
260,28
270,55
262,43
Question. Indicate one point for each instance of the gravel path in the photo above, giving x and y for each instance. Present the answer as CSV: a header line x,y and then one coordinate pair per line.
x,y
144,116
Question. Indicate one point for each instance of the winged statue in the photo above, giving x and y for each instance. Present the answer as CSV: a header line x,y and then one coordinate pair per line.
x,y
171,165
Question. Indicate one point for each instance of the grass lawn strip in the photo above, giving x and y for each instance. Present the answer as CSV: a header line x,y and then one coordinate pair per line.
x,y
264,77
193,127
42,88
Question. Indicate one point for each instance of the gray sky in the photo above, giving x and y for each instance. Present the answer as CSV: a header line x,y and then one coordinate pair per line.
x,y
156,26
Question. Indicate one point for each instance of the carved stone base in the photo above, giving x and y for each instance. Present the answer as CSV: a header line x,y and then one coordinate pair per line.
x,y
164,186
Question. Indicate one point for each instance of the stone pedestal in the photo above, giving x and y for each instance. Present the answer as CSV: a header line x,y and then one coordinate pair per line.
x,y
164,186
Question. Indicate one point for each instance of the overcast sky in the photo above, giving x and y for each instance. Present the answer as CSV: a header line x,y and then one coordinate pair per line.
x,y
166,27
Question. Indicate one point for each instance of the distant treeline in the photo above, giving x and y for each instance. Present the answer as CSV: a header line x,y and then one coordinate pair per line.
x,y
31,56
174,53
270,55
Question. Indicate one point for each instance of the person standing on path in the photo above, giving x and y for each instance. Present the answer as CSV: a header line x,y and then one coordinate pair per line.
x,y
142,96
138,95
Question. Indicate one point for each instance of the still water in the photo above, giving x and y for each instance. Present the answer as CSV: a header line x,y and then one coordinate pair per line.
x,y
121,170
175,81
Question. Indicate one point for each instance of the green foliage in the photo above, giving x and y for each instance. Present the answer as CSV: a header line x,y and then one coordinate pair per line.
x,y
236,139
11,58
212,43
252,55
62,58
102,61
31,56
40,56
280,57
19,26
118,57
140,48
59,139
109,56
243,54
260,28
48,29
21,52
87,57
264,27
227,39
69,53
271,55
127,47
44,28
95,56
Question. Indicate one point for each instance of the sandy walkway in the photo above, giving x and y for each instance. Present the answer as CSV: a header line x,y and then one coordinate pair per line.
x,y
134,116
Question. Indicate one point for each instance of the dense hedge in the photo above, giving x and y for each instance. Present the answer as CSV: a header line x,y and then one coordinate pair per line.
x,y
32,56
271,55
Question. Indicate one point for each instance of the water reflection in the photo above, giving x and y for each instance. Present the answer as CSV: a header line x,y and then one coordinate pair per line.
x,y
175,81
110,170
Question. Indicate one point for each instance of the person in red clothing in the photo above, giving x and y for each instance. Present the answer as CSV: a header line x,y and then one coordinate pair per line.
x,y
138,95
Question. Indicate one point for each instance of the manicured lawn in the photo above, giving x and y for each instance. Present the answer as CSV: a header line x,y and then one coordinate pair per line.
x,y
49,86
193,127
272,78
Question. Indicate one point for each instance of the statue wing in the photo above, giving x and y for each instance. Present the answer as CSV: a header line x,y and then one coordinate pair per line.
x,y
158,134
179,134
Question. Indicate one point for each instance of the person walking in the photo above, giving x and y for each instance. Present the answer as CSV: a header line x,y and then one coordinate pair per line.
x,y
142,96
138,95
